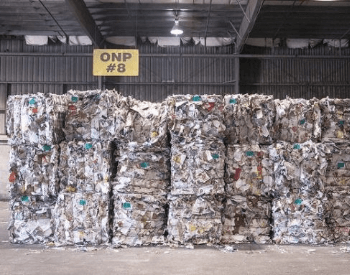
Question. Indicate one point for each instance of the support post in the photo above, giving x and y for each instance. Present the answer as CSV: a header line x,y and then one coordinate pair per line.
x,y
237,75
99,82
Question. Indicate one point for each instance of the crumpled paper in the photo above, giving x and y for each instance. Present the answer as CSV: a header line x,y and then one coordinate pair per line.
x,y
298,207
231,118
198,152
299,167
337,191
337,212
139,219
195,118
249,118
31,220
13,119
85,166
249,170
34,171
299,218
246,219
56,114
338,168
145,124
297,120
94,115
81,219
195,220
145,172
188,131
35,119
198,168
143,175
195,107
335,119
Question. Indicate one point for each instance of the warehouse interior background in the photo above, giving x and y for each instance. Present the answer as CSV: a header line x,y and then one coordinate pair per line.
x,y
296,48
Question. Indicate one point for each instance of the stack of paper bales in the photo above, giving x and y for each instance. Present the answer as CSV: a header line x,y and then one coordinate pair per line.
x,y
94,167
298,214
249,171
197,169
81,213
337,190
249,186
33,126
143,176
336,135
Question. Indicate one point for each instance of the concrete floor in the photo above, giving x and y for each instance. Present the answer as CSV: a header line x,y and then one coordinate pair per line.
x,y
247,259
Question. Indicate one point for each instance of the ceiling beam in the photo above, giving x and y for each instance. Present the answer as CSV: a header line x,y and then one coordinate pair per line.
x,y
248,21
306,9
33,31
300,35
86,21
162,7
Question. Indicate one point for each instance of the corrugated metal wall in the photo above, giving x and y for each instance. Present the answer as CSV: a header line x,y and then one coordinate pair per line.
x,y
158,77
3,97
297,77
45,73
163,76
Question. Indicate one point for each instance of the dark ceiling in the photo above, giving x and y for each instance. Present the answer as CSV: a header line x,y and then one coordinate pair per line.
x,y
303,19
158,19
205,18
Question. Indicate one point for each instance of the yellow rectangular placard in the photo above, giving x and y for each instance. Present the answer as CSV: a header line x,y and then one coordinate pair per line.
x,y
116,62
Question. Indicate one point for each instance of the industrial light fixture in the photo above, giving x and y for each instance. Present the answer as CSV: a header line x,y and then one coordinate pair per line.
x,y
176,30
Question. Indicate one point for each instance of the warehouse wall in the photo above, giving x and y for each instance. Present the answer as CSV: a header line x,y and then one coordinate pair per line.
x,y
4,168
158,77
47,71
163,76
297,77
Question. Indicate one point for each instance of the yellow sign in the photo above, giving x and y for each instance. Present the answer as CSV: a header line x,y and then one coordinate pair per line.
x,y
116,62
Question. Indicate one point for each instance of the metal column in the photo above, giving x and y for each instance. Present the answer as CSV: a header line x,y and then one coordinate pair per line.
x,y
237,75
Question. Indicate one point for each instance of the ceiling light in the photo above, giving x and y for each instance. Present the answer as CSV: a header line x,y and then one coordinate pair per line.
x,y
176,29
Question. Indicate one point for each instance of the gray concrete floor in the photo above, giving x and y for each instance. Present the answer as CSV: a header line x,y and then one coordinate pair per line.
x,y
247,259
